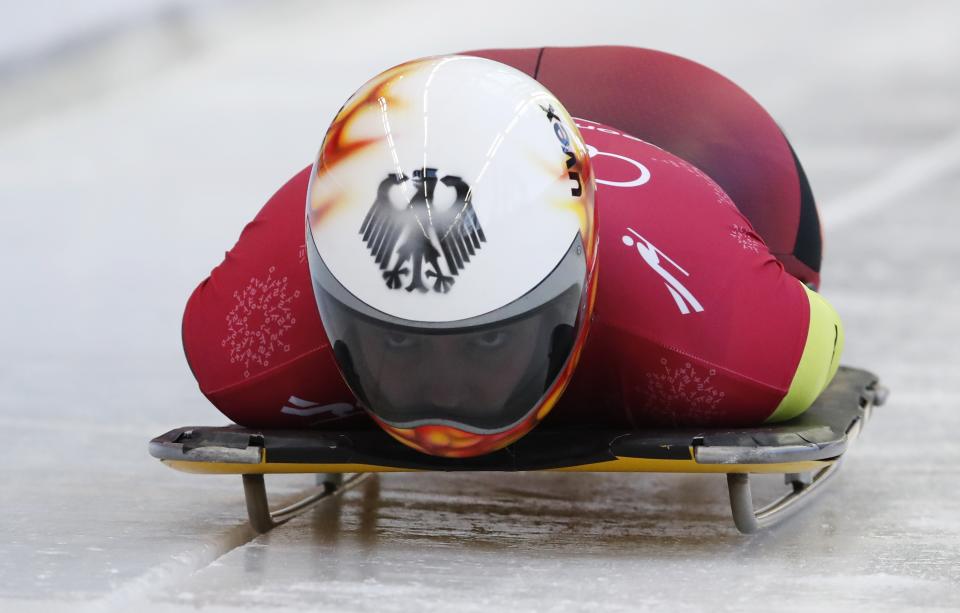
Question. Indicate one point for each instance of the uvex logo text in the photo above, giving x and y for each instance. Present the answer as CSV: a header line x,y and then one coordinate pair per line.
x,y
564,137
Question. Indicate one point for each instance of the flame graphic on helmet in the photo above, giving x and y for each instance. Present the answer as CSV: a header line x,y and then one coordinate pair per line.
x,y
339,145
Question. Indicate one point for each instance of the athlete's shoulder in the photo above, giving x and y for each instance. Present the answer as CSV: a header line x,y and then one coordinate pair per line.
x,y
687,289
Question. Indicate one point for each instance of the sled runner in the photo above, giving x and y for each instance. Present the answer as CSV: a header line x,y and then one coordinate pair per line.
x,y
806,449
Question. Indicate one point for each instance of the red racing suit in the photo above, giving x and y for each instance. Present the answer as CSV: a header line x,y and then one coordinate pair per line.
x,y
695,322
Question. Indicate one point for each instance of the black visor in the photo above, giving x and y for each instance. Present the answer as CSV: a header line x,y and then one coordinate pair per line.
x,y
481,375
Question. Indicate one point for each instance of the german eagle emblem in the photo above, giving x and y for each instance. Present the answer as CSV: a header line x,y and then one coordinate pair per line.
x,y
402,238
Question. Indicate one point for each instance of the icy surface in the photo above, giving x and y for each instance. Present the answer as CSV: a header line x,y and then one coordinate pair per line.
x,y
118,195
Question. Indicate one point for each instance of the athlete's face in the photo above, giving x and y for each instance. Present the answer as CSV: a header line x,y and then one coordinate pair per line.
x,y
455,377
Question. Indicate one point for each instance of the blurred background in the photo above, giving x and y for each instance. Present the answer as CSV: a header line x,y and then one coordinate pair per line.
x,y
137,139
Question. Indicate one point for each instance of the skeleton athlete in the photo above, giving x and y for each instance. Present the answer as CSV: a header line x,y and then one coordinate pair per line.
x,y
707,245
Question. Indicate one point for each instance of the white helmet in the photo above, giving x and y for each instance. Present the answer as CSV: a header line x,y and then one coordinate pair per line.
x,y
451,241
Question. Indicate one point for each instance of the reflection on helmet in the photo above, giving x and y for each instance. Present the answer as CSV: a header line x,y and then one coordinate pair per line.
x,y
451,244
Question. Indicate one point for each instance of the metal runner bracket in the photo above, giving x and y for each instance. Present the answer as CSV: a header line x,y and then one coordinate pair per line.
x,y
262,519
803,489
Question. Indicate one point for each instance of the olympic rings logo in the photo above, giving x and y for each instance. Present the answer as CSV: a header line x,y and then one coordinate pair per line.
x,y
643,177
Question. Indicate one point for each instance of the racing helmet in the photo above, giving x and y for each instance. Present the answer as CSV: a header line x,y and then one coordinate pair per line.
x,y
451,243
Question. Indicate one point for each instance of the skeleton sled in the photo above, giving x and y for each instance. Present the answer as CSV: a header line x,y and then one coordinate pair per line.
x,y
807,450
